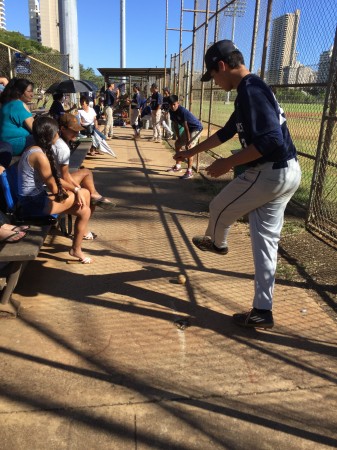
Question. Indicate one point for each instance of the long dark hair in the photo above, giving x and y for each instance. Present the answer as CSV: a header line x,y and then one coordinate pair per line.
x,y
44,130
14,89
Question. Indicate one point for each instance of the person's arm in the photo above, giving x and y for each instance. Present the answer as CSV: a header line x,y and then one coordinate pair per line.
x,y
223,165
76,188
208,144
221,136
66,175
41,163
29,123
188,136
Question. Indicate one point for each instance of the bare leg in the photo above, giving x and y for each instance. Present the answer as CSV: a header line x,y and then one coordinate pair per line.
x,y
81,223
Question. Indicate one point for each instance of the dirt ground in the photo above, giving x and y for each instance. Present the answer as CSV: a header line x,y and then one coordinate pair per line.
x,y
303,257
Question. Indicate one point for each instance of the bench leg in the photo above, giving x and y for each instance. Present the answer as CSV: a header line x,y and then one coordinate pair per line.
x,y
7,305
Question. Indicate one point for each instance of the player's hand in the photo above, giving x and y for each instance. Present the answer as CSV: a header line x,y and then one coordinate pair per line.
x,y
80,199
218,167
183,154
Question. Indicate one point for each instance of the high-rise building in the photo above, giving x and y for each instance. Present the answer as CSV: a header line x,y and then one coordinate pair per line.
x,y
34,20
298,74
282,48
2,15
324,66
49,19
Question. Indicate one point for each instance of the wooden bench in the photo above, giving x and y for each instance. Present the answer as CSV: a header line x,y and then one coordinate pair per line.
x,y
14,257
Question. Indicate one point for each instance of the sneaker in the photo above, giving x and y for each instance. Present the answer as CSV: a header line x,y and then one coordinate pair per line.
x,y
169,136
153,140
188,174
205,244
174,168
254,319
158,141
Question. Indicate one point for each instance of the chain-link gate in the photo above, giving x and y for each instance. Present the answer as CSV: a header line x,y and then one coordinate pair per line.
x,y
322,213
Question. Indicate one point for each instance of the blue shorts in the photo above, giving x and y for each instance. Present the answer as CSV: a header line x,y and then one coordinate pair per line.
x,y
34,205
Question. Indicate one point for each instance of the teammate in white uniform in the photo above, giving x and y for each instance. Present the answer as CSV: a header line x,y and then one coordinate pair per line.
x,y
264,189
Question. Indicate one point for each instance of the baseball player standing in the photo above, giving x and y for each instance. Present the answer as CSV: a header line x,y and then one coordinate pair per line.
x,y
264,189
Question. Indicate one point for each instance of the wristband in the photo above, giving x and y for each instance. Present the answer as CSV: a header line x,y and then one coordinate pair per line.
x,y
77,188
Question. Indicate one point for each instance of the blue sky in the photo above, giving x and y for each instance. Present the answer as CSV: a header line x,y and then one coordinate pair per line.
x,y
99,35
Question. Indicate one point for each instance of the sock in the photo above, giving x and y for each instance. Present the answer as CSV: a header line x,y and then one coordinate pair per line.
x,y
218,248
262,311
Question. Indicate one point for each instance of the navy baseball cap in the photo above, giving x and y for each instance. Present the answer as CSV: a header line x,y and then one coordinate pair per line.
x,y
217,52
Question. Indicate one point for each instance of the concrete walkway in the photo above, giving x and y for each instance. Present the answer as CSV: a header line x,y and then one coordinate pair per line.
x,y
98,360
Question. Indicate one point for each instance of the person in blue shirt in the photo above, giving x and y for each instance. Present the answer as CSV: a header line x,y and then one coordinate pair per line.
x,y
187,129
156,104
263,190
135,110
16,120
165,117
111,98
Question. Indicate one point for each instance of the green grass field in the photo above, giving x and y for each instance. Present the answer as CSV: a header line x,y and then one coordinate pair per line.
x,y
304,122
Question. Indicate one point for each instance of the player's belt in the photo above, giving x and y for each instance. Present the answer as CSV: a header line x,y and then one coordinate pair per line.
x,y
282,164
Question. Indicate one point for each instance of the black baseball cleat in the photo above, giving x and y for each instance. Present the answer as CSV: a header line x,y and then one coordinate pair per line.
x,y
205,244
254,319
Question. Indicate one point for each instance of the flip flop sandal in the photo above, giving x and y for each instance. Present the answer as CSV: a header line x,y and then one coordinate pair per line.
x,y
103,202
86,260
21,228
8,239
90,236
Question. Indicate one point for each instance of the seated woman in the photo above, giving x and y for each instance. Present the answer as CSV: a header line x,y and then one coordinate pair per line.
x,y
57,108
88,120
16,120
69,129
36,168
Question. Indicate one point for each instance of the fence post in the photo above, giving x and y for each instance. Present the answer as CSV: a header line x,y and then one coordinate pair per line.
x,y
324,144
266,38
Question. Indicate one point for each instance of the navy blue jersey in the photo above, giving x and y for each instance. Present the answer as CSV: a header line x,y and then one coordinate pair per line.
x,y
182,115
156,100
136,101
109,98
166,105
56,109
259,120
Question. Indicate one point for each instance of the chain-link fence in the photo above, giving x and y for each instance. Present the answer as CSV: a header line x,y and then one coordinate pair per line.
x,y
289,43
42,69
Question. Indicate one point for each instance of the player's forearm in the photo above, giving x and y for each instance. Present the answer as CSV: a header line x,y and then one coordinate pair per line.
x,y
208,144
244,156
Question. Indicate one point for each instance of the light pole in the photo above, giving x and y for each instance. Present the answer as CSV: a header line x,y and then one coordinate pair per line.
x,y
236,9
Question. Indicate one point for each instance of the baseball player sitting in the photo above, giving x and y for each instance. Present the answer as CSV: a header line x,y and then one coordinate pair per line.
x,y
272,176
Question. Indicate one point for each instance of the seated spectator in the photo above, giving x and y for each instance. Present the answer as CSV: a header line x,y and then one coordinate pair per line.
x,y
99,108
88,120
57,108
36,168
16,120
69,129
145,115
